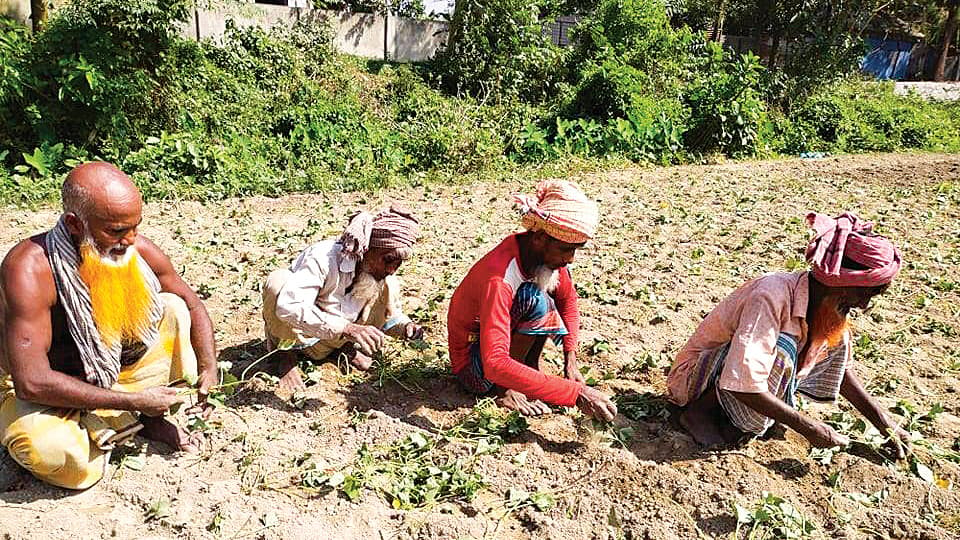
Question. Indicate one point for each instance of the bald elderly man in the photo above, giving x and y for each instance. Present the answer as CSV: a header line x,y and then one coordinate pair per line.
x,y
786,334
95,324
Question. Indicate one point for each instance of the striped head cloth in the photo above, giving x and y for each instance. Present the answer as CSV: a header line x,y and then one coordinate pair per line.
x,y
561,210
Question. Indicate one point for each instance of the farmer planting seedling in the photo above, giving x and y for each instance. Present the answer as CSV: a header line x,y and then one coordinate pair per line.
x,y
340,297
96,324
784,334
519,295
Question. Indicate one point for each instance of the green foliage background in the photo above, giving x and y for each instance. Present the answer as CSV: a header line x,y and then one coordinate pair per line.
x,y
277,111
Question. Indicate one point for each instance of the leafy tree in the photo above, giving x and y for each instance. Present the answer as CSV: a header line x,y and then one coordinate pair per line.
x,y
497,50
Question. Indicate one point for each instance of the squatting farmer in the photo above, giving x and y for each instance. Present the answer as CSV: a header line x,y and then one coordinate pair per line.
x,y
96,324
783,334
340,297
518,295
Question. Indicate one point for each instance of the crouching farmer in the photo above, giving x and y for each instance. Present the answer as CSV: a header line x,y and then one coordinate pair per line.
x,y
784,334
96,324
519,295
340,297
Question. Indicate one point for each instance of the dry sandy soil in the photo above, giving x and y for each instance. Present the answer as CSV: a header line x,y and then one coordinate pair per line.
x,y
673,242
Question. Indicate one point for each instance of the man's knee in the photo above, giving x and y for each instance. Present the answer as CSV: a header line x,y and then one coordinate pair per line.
x,y
60,456
529,303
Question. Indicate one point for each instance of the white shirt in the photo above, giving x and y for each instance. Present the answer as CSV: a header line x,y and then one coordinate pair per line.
x,y
314,300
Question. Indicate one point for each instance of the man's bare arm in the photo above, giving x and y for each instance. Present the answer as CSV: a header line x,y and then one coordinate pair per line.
x,y
201,328
818,433
852,389
30,293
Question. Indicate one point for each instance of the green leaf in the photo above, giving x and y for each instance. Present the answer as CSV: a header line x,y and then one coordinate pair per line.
x,y
158,510
134,462
922,471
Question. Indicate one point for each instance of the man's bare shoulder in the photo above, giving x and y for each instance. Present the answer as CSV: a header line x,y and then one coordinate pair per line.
x,y
25,272
153,255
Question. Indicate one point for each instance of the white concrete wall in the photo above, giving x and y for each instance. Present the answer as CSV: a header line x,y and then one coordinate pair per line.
x,y
362,34
18,10
941,91
413,40
367,35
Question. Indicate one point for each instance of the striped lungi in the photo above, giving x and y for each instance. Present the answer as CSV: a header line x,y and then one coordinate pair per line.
x,y
821,383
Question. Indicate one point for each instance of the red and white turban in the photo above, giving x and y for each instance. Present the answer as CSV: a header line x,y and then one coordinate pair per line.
x,y
848,236
392,228
561,210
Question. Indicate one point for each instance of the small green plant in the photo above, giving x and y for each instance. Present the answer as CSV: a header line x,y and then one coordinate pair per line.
x,y
488,426
410,473
517,498
646,406
772,517
916,420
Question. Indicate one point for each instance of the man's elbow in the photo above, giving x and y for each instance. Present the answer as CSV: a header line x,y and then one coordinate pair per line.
x,y
28,390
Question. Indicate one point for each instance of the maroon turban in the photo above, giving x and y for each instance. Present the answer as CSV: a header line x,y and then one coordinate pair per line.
x,y
848,236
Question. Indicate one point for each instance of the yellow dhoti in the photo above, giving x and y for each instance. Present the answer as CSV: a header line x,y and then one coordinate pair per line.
x,y
70,448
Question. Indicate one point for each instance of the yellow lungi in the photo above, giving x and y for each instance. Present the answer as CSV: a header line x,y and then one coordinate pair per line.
x,y
70,448
277,330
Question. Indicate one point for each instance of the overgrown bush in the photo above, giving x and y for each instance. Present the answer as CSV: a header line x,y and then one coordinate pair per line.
x,y
725,106
271,111
496,50
90,76
858,116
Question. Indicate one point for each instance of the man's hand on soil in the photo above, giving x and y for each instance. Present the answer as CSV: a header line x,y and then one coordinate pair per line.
x,y
571,370
369,339
824,436
898,441
596,404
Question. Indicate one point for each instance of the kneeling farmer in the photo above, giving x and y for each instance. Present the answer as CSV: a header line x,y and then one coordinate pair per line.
x,y
517,296
785,333
340,296
96,324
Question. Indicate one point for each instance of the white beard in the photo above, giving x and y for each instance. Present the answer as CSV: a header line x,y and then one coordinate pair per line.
x,y
546,279
366,289
107,256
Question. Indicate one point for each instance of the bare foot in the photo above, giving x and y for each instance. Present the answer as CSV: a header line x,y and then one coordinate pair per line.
x,y
162,430
361,361
516,401
290,379
702,427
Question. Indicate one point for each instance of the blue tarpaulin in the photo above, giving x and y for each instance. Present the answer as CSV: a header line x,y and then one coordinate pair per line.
x,y
887,58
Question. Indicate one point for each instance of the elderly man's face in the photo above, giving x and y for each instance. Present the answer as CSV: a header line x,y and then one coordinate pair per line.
x,y
858,297
554,253
381,262
111,226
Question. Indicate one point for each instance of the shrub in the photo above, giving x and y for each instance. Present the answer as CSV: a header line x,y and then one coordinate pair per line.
x,y
92,74
725,105
496,50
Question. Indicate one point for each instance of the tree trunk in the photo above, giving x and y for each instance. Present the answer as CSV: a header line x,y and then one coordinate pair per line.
x,y
716,33
774,51
38,14
949,30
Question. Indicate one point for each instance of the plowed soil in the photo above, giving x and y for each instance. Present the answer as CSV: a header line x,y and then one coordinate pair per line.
x,y
672,243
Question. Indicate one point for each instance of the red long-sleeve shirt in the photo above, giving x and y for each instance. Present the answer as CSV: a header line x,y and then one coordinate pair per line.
x,y
485,296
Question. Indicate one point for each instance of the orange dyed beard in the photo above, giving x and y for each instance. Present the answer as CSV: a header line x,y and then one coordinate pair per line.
x,y
119,295
828,324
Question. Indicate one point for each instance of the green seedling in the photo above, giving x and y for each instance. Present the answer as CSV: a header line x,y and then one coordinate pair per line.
x,y
645,406
772,518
